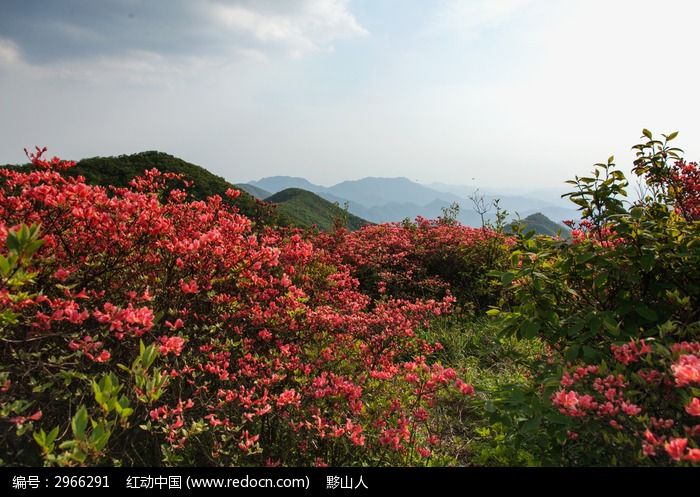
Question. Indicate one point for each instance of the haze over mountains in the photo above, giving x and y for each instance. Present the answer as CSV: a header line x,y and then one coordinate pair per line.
x,y
393,199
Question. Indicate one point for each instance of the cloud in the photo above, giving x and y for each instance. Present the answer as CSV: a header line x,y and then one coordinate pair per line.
x,y
470,17
45,32
312,26
8,52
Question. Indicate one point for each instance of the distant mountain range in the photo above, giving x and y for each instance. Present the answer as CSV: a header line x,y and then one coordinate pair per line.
x,y
304,204
393,199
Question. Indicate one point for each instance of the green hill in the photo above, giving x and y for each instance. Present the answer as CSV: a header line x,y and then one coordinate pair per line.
x,y
118,171
307,209
254,190
291,207
542,225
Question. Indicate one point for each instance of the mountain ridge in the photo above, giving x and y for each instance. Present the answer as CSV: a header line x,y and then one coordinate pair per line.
x,y
385,199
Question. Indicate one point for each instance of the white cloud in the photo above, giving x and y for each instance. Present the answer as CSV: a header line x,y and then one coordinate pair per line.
x,y
314,25
213,35
176,31
9,54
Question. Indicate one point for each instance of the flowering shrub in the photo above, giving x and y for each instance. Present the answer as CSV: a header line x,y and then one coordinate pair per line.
x,y
139,326
619,308
686,182
425,259
647,397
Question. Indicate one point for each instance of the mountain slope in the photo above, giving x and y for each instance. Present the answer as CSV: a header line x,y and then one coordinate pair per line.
x,y
254,191
118,171
306,209
375,192
274,184
542,225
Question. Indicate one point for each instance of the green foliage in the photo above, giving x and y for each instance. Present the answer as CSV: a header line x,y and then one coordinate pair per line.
x,y
631,272
14,267
599,197
150,385
494,428
634,269
450,214
93,425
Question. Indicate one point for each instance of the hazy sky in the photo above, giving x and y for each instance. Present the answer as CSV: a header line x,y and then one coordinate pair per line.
x,y
509,92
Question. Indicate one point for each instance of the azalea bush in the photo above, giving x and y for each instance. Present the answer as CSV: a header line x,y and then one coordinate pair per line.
x,y
141,327
423,259
619,310
647,397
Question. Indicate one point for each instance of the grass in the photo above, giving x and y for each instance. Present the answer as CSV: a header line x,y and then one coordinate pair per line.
x,y
491,362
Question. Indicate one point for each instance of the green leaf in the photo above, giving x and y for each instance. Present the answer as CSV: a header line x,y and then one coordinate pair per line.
x,y
646,133
585,257
51,437
571,353
124,368
647,261
646,312
507,278
23,234
40,437
99,397
79,456
79,422
531,425
590,354
32,247
4,266
611,325
12,241
601,280
100,436
530,329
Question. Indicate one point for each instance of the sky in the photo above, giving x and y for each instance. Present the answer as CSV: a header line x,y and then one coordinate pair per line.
x,y
494,93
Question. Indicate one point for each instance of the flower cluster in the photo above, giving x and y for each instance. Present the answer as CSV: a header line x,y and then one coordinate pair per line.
x,y
686,370
649,402
586,231
229,344
607,401
686,179
425,258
